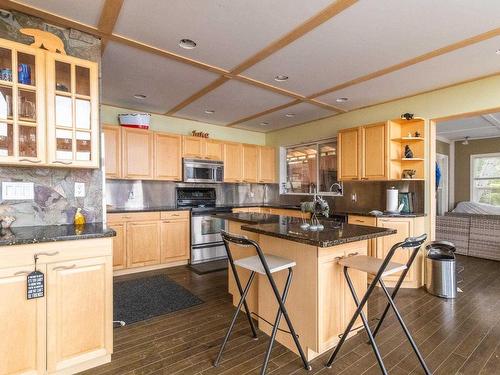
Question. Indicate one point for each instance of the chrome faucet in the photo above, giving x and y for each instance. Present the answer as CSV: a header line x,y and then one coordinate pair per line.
x,y
338,186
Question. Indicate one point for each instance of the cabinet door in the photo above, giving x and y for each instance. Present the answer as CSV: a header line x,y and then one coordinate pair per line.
x,y
22,325
119,246
174,240
404,226
349,150
193,147
267,164
167,157
143,245
359,281
213,149
233,162
22,104
137,147
250,163
72,111
112,151
79,311
374,155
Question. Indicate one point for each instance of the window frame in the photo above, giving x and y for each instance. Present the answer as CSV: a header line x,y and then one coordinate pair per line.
x,y
472,178
283,168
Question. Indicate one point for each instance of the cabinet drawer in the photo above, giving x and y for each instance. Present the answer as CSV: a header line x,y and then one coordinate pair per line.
x,y
362,220
174,215
133,216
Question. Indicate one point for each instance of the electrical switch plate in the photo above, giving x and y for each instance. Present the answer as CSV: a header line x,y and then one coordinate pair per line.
x,y
79,190
18,190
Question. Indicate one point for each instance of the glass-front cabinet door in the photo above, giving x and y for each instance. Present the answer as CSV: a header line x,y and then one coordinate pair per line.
x,y
72,112
22,108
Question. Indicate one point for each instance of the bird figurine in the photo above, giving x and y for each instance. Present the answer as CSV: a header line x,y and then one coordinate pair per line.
x,y
408,152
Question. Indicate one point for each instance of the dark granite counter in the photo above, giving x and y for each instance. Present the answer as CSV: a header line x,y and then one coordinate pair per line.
x,y
121,210
385,214
249,217
53,233
333,234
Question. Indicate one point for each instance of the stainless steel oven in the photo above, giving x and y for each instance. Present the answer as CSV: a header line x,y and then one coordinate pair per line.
x,y
206,171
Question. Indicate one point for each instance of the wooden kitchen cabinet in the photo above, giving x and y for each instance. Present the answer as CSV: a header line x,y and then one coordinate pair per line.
x,y
112,151
250,163
167,157
119,246
72,111
349,143
233,159
375,144
365,220
22,324
175,240
137,147
79,315
143,243
202,148
214,149
267,164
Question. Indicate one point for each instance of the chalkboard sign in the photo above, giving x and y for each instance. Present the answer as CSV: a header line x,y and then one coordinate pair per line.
x,y
36,286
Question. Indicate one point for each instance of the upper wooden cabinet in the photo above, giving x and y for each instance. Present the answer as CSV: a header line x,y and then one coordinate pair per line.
x,y
349,145
250,163
112,151
374,163
72,111
167,157
137,147
267,164
201,148
233,159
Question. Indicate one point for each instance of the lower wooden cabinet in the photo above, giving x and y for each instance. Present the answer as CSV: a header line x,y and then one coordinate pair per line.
x,y
78,313
68,330
150,239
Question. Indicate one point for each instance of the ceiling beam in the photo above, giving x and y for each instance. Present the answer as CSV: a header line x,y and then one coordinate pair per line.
x,y
326,14
109,15
270,110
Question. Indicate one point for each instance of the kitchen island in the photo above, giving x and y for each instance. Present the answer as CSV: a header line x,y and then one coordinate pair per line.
x,y
319,302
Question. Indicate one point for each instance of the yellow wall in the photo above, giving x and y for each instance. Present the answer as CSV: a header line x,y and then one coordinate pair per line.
x,y
109,115
470,97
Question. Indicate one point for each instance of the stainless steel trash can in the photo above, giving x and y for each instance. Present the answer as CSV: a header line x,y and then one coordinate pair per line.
x,y
440,269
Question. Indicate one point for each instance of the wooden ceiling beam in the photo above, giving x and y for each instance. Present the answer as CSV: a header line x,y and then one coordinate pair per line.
x,y
109,15
270,110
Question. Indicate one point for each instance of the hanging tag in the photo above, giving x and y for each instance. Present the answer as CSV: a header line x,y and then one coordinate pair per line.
x,y
36,285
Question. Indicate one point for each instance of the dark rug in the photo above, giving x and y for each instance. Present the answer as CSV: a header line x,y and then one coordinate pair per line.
x,y
208,267
144,298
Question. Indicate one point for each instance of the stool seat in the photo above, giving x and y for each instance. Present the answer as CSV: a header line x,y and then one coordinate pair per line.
x,y
371,265
274,263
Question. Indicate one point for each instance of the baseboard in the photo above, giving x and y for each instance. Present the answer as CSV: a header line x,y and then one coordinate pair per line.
x,y
129,271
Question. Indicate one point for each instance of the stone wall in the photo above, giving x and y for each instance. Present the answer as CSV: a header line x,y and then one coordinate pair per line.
x,y
54,201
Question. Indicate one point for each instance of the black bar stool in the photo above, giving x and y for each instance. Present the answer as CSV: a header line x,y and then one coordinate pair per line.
x,y
380,268
264,265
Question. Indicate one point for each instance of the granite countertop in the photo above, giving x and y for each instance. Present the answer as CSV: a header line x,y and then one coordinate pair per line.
x,y
119,210
385,214
53,233
333,234
249,217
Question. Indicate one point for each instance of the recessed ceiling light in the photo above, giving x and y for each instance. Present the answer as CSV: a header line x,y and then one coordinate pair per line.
x,y
497,51
281,78
187,44
140,96
209,111
290,115
264,123
341,100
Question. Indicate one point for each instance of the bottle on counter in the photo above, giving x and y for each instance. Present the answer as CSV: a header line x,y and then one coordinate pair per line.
x,y
79,219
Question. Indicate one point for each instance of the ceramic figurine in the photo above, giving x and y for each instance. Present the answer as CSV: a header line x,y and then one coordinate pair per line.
x,y
408,152
417,135
7,221
408,173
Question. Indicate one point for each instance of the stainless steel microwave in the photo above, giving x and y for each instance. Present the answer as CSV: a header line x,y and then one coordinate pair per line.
x,y
206,171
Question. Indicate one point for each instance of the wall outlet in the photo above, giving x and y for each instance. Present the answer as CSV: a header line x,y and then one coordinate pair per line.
x,y
18,191
79,190
354,197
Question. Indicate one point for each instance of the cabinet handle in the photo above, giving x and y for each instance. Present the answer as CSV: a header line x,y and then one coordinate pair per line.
x,y
22,273
63,267
337,258
174,215
47,254
359,221
355,178
62,162
31,161
352,254
126,217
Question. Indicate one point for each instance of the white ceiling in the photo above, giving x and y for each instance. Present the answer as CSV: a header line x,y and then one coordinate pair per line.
x,y
362,39
485,126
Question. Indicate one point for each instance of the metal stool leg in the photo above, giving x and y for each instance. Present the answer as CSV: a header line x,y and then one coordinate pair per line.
x,y
405,329
396,289
288,321
365,323
276,324
233,321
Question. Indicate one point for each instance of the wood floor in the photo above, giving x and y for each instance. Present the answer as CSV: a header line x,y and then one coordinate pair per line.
x,y
459,336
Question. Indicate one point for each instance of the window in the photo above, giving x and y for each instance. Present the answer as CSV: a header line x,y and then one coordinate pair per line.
x,y
485,179
310,168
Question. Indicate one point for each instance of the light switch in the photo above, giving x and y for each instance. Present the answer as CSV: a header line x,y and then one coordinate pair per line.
x,y
18,190
79,190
